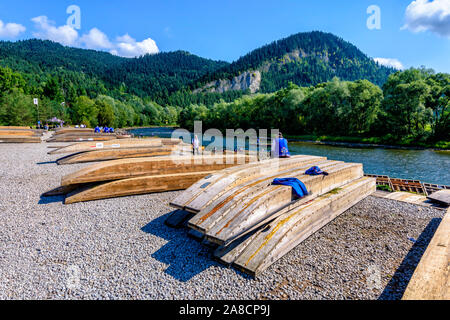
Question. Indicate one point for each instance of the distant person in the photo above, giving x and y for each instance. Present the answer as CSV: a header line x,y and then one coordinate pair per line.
x,y
97,129
195,145
111,130
280,147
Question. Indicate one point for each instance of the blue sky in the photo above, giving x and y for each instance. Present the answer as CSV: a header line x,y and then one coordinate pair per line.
x,y
228,29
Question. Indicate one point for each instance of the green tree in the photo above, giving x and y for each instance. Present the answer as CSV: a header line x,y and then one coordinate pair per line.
x,y
84,111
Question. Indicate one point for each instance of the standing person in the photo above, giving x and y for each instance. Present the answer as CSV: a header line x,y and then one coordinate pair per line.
x,y
195,145
280,147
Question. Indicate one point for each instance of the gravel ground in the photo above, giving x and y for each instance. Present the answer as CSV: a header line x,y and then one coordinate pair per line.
x,y
121,249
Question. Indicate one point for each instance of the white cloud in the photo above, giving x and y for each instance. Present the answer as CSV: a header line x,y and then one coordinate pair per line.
x,y
10,30
124,46
128,47
65,34
96,39
425,15
390,62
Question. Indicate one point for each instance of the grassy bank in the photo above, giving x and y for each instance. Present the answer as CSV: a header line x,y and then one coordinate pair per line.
x,y
386,140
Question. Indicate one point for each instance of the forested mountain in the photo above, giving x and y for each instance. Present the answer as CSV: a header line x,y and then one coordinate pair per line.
x,y
170,78
155,76
303,59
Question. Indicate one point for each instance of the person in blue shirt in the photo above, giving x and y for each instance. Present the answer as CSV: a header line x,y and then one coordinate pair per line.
x,y
280,145
97,129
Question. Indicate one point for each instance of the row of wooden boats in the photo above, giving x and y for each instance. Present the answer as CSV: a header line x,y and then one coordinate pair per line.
x,y
251,222
20,135
135,166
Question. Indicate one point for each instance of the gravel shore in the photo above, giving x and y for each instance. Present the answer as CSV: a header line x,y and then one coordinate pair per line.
x,y
121,249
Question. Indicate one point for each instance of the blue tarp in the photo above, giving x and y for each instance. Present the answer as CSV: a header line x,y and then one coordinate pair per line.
x,y
298,187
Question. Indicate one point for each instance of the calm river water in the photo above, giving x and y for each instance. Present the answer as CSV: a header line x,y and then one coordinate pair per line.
x,y
424,165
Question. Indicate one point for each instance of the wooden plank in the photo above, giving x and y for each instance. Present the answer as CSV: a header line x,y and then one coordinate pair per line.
x,y
288,230
111,144
114,154
17,132
135,167
136,186
431,280
442,196
20,139
252,211
205,192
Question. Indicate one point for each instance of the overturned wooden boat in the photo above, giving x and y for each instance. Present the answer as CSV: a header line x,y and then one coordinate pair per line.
x,y
18,132
254,222
130,168
202,193
115,144
136,186
20,139
82,137
249,206
256,253
115,154
65,130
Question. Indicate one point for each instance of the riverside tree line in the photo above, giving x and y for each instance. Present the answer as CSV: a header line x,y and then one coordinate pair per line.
x,y
411,107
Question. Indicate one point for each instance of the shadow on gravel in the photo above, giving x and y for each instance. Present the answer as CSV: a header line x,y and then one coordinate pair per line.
x,y
397,286
47,162
53,199
185,256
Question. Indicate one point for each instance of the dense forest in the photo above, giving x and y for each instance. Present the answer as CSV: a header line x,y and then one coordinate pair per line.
x,y
312,84
412,107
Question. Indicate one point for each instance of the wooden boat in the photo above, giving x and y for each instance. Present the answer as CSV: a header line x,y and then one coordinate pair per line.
x,y
65,130
15,127
130,168
115,154
18,132
257,252
112,144
20,139
82,137
251,205
208,189
431,279
136,186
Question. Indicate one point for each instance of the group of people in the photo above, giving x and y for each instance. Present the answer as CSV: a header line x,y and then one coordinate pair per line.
x,y
98,129
279,147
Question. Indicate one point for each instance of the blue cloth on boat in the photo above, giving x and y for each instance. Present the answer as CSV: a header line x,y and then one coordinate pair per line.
x,y
298,187
315,171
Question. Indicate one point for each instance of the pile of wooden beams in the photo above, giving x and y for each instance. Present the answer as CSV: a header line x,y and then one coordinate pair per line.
x,y
252,222
134,176
20,135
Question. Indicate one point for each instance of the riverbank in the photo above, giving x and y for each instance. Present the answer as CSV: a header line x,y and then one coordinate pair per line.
x,y
121,248
374,142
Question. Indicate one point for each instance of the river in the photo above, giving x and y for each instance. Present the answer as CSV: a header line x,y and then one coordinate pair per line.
x,y
424,165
